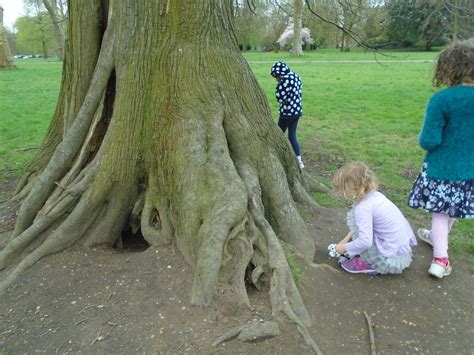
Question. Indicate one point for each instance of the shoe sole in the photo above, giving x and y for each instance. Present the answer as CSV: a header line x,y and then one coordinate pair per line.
x,y
365,272
440,276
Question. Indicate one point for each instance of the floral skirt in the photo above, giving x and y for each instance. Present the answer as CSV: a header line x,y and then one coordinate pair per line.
x,y
381,263
454,198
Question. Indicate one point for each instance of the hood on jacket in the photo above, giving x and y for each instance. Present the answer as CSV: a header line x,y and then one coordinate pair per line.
x,y
279,69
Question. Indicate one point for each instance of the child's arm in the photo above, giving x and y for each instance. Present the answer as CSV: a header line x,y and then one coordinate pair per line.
x,y
340,247
432,132
346,239
364,222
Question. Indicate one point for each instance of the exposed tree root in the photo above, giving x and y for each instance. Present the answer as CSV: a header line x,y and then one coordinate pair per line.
x,y
73,140
313,184
65,236
214,175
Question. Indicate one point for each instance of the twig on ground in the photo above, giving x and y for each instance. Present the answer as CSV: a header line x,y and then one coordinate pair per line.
x,y
81,321
101,337
49,331
25,149
86,307
371,334
110,296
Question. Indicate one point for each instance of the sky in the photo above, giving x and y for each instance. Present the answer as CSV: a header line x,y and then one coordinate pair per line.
x,y
12,9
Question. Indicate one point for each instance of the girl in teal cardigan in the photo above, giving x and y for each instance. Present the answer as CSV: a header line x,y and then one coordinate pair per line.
x,y
445,186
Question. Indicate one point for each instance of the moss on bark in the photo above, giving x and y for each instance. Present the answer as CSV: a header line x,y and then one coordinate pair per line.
x,y
163,121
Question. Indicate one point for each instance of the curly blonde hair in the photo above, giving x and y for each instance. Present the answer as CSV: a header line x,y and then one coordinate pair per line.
x,y
455,65
355,180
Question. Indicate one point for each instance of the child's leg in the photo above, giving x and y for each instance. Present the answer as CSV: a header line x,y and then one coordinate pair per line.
x,y
292,136
283,124
451,222
440,226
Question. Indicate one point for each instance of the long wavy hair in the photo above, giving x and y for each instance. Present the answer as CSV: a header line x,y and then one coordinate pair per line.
x,y
355,180
455,65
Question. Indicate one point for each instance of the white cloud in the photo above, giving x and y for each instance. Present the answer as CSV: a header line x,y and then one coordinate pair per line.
x,y
12,9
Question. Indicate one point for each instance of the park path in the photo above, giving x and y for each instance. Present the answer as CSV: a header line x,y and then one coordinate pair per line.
x,y
343,61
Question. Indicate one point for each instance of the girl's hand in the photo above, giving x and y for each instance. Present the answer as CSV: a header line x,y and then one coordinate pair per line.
x,y
341,248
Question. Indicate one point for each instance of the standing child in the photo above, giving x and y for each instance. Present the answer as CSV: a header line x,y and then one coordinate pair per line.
x,y
380,237
445,186
288,94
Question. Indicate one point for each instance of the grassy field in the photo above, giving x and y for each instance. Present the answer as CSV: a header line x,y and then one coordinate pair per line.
x,y
28,95
354,109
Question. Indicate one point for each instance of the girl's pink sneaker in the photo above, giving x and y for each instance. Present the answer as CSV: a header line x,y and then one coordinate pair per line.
x,y
358,266
440,268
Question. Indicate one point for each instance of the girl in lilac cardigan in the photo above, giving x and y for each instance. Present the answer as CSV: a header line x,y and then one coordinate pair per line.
x,y
380,237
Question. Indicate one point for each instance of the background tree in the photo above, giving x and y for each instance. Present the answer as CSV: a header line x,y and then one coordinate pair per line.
x,y
297,49
325,34
417,23
250,24
54,20
54,15
162,129
288,34
460,18
34,35
5,54
277,21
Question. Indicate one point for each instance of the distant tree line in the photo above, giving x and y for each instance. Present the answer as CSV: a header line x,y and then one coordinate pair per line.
x,y
41,30
259,24
420,24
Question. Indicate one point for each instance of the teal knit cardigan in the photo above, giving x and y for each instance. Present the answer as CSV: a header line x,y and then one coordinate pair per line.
x,y
448,134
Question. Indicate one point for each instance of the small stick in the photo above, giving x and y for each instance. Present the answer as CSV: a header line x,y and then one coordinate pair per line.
x,y
86,307
48,331
371,334
25,149
110,296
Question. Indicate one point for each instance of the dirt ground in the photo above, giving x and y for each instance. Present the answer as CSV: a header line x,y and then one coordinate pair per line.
x,y
105,301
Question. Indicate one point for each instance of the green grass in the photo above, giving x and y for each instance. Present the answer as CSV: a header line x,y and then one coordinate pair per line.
x,y
28,95
364,111
352,111
293,263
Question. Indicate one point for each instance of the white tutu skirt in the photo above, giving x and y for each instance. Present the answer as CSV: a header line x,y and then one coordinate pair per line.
x,y
382,264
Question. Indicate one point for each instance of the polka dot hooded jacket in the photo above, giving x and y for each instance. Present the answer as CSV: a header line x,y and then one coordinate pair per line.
x,y
288,91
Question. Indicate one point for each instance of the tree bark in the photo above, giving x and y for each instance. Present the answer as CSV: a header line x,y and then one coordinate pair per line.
x,y
5,54
297,42
161,125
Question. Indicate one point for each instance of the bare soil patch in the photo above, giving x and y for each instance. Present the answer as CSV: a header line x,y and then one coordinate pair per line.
x,y
124,302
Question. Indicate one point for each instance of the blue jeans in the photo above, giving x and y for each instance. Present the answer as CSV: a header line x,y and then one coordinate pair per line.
x,y
290,122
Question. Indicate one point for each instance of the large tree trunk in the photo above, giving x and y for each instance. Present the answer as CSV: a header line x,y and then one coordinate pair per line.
x,y
297,49
162,127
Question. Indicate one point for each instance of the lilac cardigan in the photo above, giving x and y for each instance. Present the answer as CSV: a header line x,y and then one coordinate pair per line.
x,y
379,220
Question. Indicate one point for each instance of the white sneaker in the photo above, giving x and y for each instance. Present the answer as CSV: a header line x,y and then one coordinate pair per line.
x,y
300,162
425,235
439,270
